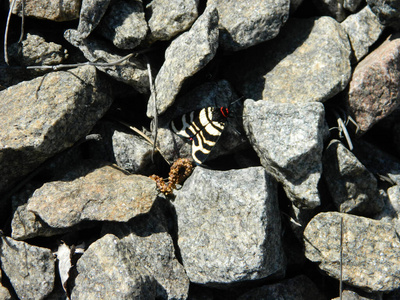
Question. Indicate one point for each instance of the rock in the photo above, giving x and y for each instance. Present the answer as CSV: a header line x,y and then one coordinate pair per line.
x,y
364,30
227,232
394,197
308,61
352,5
132,267
92,11
371,250
353,188
333,8
351,295
288,138
387,11
105,193
296,288
4,293
53,10
30,269
374,87
168,18
217,94
37,124
186,55
244,24
35,51
124,24
132,72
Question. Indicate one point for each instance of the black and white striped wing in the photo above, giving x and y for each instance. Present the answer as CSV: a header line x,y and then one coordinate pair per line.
x,y
203,127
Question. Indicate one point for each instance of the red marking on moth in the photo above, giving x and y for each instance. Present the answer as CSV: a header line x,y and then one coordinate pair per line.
x,y
224,111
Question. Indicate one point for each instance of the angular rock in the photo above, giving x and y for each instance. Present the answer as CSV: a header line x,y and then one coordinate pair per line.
x,y
376,161
352,5
186,55
92,11
364,30
244,24
124,24
353,188
296,288
218,94
35,51
308,61
105,193
132,267
30,269
107,270
132,72
371,250
288,138
229,226
387,11
168,18
46,115
374,90
351,295
53,10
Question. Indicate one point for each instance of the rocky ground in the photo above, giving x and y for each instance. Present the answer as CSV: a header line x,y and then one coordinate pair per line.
x,y
299,194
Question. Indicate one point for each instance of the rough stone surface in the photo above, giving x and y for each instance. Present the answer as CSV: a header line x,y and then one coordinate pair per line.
x,y
105,193
388,11
217,94
351,295
371,250
168,18
124,24
353,188
132,72
352,5
375,85
244,24
46,115
92,11
132,267
288,138
4,293
308,61
30,269
34,50
297,288
226,232
364,30
50,10
186,55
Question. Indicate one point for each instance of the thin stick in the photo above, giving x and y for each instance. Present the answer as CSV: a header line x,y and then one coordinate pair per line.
x,y
21,36
154,94
6,32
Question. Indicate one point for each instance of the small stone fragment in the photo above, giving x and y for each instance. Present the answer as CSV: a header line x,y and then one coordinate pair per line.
x,y
105,193
66,10
388,11
30,269
371,250
288,138
91,13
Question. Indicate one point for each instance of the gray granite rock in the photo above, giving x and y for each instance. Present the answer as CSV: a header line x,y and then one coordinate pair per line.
x,y
53,10
375,85
229,226
388,11
288,138
371,250
308,61
247,23
132,72
364,30
131,267
351,295
296,288
186,55
46,115
30,269
394,197
217,94
34,50
92,11
93,192
353,188
124,24
352,5
168,18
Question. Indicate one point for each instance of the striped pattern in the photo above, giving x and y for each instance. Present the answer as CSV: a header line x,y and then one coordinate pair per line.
x,y
203,127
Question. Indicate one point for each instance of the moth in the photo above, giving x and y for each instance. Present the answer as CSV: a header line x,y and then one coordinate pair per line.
x,y
203,127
